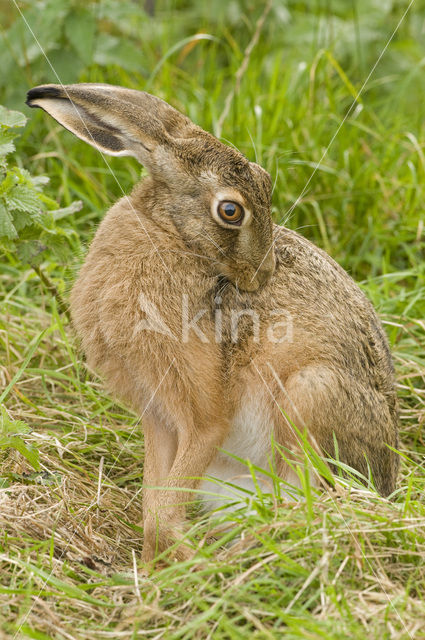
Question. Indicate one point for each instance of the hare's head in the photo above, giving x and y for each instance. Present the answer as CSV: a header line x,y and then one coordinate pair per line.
x,y
218,201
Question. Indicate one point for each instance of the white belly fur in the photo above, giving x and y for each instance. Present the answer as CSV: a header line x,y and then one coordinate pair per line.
x,y
250,437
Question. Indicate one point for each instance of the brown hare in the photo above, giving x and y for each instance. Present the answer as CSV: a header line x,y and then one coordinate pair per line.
x,y
221,329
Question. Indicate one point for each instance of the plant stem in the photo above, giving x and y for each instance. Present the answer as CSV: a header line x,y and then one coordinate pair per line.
x,y
52,289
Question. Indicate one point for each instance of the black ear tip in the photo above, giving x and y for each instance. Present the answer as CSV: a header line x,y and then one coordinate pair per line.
x,y
29,99
44,91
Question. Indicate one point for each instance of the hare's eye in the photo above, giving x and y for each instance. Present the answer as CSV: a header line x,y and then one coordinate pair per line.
x,y
230,212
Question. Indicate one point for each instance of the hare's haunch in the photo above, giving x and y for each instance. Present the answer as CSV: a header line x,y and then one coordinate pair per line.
x,y
224,331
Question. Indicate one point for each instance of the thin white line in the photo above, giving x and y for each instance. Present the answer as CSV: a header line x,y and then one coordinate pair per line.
x,y
89,134
292,207
332,498
99,481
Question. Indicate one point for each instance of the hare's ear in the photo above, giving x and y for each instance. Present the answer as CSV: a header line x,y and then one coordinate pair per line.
x,y
114,120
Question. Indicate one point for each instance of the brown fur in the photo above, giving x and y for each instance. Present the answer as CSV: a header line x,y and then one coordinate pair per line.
x,y
334,377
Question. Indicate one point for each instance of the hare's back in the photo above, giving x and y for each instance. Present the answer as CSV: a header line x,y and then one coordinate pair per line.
x,y
332,319
308,278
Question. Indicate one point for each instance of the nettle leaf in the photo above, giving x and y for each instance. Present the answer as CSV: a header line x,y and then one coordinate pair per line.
x,y
30,220
22,219
31,252
80,29
66,64
112,50
58,214
33,181
23,198
46,224
38,182
30,453
9,426
9,182
7,147
7,228
10,118
60,246
11,437
6,144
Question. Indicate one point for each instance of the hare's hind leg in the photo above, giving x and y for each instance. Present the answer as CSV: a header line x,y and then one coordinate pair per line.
x,y
334,405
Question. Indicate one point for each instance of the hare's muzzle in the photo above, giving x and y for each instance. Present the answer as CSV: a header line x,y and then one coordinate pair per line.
x,y
250,278
266,269
264,275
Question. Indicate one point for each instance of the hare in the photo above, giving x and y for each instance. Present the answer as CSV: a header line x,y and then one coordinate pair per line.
x,y
224,331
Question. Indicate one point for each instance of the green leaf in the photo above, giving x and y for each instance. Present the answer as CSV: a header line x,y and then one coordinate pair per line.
x,y
60,246
38,181
66,64
7,147
80,29
10,438
31,252
23,198
7,228
9,181
6,144
27,451
29,218
10,118
58,214
9,426
49,202
111,50
21,219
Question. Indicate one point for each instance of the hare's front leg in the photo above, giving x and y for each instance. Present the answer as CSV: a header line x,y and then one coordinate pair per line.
x,y
174,461
160,452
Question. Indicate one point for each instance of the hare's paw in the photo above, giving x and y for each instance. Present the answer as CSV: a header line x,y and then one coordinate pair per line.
x,y
158,537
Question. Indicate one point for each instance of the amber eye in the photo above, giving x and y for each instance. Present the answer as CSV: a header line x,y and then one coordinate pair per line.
x,y
230,212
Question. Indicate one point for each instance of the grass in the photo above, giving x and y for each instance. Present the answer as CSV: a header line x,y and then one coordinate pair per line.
x,y
341,564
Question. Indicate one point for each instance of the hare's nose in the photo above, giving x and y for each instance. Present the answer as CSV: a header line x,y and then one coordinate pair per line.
x,y
264,275
267,269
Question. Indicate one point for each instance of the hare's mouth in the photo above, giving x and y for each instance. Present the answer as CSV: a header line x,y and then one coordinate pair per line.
x,y
247,278
255,283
